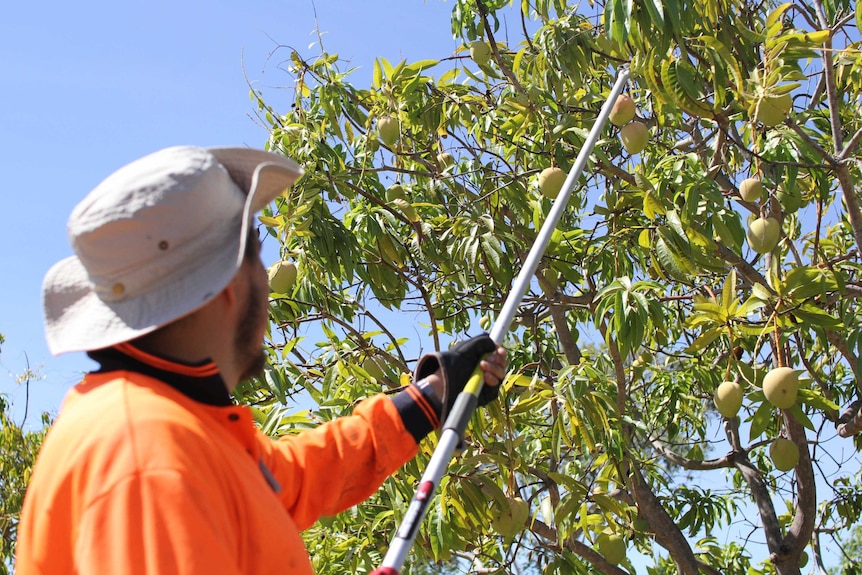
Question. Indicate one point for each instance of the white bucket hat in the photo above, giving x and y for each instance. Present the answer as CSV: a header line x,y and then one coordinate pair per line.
x,y
155,241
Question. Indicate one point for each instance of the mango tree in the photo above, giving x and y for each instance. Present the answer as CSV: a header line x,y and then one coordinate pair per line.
x,y
665,279
18,450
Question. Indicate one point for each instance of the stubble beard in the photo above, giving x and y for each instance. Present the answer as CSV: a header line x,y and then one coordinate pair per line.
x,y
251,355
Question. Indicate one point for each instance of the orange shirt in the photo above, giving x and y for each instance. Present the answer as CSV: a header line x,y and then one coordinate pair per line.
x,y
136,476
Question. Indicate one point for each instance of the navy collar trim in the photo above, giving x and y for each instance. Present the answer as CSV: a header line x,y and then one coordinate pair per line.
x,y
200,382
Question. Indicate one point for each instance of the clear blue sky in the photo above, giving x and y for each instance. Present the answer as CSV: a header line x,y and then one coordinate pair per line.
x,y
87,87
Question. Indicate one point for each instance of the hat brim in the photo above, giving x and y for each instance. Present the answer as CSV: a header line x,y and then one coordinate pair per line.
x,y
263,175
77,319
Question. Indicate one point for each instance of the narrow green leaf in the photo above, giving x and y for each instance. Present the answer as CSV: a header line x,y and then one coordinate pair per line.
x,y
656,13
619,312
751,305
722,233
672,11
811,314
806,281
676,225
799,415
377,75
761,292
644,239
669,262
776,14
728,292
492,249
724,55
652,205
698,319
420,65
711,308
620,26
814,399
704,339
755,330
760,420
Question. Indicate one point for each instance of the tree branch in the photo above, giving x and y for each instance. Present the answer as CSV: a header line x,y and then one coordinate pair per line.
x,y
578,548
850,420
829,74
691,464
802,527
762,498
851,146
667,532
495,50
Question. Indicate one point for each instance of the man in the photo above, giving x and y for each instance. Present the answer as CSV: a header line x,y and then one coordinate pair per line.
x,y
150,467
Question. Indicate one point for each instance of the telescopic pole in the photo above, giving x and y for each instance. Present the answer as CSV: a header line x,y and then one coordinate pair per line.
x,y
466,402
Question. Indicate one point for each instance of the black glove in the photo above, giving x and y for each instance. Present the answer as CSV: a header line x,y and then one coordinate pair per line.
x,y
457,365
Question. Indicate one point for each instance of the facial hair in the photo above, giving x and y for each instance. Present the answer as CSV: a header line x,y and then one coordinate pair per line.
x,y
249,348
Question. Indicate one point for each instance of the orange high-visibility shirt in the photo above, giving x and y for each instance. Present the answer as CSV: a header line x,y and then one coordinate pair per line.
x,y
149,470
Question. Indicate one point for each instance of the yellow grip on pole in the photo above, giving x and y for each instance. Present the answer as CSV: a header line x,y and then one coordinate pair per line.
x,y
474,384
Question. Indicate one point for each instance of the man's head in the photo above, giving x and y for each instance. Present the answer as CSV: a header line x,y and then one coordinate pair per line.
x,y
157,240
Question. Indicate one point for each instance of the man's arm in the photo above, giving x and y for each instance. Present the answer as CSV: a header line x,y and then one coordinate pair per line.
x,y
328,469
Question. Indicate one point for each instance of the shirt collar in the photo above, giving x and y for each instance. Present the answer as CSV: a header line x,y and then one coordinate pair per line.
x,y
201,382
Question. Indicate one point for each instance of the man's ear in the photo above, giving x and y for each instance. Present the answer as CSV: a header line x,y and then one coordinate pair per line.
x,y
229,293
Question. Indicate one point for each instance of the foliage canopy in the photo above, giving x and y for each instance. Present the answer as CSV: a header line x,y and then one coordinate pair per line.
x,y
648,297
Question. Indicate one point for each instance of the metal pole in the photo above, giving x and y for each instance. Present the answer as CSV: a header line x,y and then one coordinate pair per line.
x,y
465,404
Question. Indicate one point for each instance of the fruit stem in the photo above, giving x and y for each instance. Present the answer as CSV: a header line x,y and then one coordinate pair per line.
x,y
779,352
730,356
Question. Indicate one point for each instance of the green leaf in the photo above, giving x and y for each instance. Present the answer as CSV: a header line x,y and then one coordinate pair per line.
x,y
669,261
652,205
814,399
776,14
698,319
656,13
420,65
805,281
760,420
675,224
799,415
688,79
761,292
704,339
755,330
728,292
531,400
672,11
751,305
811,314
710,308
275,383
644,239
723,233
621,20
377,75
726,57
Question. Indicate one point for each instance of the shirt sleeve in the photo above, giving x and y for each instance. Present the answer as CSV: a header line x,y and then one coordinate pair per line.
x,y
326,470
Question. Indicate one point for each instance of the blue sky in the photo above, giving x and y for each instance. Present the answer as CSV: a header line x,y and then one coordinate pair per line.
x,y
87,87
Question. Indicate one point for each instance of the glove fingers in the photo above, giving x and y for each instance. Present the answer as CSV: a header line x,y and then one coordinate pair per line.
x,y
476,347
488,394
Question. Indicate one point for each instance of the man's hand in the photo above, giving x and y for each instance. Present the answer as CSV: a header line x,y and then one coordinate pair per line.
x,y
448,372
